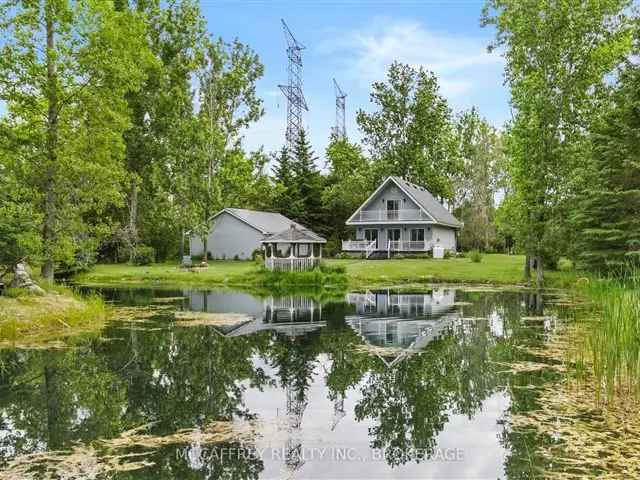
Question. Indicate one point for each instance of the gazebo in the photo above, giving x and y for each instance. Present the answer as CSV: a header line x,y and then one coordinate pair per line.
x,y
292,250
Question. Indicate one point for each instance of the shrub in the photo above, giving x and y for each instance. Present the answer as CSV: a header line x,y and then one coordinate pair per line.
x,y
448,254
145,255
565,265
475,256
337,269
342,255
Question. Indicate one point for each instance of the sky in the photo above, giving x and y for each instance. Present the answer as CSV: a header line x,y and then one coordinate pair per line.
x,y
355,41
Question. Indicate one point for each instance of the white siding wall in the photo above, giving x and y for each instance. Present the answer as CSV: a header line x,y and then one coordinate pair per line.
x,y
228,238
444,236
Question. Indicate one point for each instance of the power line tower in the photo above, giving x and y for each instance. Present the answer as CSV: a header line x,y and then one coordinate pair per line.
x,y
296,102
340,130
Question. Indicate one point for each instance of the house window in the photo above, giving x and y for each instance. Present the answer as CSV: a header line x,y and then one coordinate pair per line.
x,y
393,206
417,234
394,234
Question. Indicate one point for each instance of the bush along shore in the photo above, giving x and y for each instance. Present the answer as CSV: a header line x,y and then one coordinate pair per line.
x,y
39,316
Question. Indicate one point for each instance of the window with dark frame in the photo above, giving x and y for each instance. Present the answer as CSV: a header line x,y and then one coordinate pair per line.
x,y
417,234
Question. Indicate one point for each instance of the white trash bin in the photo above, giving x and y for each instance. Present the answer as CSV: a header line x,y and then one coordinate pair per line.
x,y
438,251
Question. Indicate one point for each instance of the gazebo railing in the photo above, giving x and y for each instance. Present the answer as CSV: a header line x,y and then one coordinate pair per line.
x,y
290,264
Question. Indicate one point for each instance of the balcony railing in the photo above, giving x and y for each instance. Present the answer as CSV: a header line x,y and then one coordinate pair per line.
x,y
355,245
394,246
391,215
409,246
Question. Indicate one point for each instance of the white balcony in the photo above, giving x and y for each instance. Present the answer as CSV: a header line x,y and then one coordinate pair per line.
x,y
405,215
393,246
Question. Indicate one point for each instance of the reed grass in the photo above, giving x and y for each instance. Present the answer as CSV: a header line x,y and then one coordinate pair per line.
x,y
613,340
61,312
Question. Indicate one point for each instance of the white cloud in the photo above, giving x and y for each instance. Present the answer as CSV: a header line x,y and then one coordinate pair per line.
x,y
457,60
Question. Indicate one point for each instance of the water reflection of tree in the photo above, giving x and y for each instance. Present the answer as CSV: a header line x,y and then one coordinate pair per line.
x,y
411,402
182,378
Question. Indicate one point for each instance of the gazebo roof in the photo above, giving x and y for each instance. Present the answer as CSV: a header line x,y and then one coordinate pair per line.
x,y
294,234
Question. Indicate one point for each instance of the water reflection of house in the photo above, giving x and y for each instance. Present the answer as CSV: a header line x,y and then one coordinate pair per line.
x,y
291,315
406,321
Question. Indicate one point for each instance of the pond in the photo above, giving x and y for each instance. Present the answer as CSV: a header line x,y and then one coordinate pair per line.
x,y
374,384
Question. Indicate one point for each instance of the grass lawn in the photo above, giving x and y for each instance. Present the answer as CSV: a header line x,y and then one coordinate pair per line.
x,y
494,269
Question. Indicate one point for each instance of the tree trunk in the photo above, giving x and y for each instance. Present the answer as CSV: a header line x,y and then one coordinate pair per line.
x,y
133,218
52,399
181,244
539,271
527,268
205,244
49,228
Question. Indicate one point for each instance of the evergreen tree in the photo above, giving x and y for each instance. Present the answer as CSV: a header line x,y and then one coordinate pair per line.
x,y
608,215
309,184
286,197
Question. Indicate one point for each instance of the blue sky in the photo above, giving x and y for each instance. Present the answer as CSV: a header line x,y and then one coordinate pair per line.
x,y
355,41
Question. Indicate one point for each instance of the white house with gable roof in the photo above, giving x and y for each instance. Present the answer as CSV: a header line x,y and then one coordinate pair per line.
x,y
400,216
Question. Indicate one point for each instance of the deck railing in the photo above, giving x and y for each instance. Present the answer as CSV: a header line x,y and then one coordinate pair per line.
x,y
290,264
391,215
394,246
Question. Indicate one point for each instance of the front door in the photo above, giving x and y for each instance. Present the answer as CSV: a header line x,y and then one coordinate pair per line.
x,y
371,234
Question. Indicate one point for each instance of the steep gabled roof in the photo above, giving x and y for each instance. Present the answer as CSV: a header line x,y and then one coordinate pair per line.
x,y
427,201
295,234
421,197
266,222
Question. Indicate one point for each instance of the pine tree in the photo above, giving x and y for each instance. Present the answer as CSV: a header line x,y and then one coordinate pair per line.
x,y
286,197
608,217
308,183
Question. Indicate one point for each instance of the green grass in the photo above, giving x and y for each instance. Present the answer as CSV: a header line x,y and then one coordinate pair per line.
x,y
36,319
494,269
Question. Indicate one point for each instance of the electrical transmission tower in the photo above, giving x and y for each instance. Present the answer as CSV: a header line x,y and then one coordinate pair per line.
x,y
293,89
340,130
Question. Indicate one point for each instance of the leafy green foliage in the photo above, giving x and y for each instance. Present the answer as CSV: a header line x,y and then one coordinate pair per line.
x,y
411,135
144,255
558,56
481,177
71,65
475,256
348,183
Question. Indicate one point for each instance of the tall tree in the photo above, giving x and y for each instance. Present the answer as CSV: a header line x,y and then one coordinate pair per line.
x,y
411,134
65,68
308,183
287,196
483,162
349,181
229,104
162,114
607,216
558,55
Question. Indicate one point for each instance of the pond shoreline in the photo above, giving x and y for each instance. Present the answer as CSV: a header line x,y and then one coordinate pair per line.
x,y
41,321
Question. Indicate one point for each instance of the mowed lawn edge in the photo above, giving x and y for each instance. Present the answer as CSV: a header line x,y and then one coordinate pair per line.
x,y
495,269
